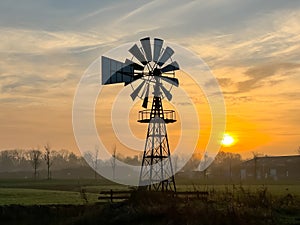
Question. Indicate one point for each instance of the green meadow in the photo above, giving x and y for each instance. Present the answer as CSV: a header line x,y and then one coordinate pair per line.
x,y
76,192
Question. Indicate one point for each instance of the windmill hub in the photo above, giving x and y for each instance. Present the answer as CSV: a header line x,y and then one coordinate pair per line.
x,y
148,64
156,72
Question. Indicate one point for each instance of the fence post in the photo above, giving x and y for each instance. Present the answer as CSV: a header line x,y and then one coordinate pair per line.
x,y
111,195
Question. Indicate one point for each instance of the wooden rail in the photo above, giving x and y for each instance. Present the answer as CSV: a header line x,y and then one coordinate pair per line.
x,y
114,195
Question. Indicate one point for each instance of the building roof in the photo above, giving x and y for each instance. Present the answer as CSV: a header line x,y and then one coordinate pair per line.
x,y
274,158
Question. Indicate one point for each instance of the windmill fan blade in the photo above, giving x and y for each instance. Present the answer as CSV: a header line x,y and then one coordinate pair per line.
x,y
171,67
145,102
166,92
147,48
136,52
158,43
165,56
135,65
171,80
135,93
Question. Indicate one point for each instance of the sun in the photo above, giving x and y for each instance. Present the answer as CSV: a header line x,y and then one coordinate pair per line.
x,y
228,140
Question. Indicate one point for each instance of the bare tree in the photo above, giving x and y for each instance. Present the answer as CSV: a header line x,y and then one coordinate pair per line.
x,y
48,159
113,161
35,159
6,160
96,160
226,164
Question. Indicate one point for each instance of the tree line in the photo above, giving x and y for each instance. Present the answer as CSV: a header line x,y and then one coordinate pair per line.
x,y
38,159
48,159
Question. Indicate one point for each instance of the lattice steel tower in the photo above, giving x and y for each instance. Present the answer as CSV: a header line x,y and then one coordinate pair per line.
x,y
157,170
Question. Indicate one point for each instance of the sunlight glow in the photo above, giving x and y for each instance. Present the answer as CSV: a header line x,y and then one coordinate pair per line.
x,y
227,140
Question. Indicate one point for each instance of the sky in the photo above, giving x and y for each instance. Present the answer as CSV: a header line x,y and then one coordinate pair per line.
x,y
252,47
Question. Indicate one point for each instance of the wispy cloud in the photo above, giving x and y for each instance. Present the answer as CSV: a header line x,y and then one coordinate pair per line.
x,y
252,47
259,75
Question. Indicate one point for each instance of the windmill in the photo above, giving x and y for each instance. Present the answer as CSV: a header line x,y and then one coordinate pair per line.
x,y
155,71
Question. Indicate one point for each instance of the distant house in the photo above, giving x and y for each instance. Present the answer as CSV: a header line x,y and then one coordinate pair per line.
x,y
272,168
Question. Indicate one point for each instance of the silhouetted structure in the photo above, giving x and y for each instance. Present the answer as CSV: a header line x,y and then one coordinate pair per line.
x,y
153,69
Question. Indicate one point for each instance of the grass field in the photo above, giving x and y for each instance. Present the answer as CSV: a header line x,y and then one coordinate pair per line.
x,y
21,196
43,192
73,202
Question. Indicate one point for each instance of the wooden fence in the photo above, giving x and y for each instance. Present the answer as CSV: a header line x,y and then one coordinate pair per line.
x,y
123,195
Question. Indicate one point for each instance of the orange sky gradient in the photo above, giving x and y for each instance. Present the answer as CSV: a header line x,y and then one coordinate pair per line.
x,y
255,58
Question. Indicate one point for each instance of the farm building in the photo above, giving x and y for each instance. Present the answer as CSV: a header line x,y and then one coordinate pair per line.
x,y
272,168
